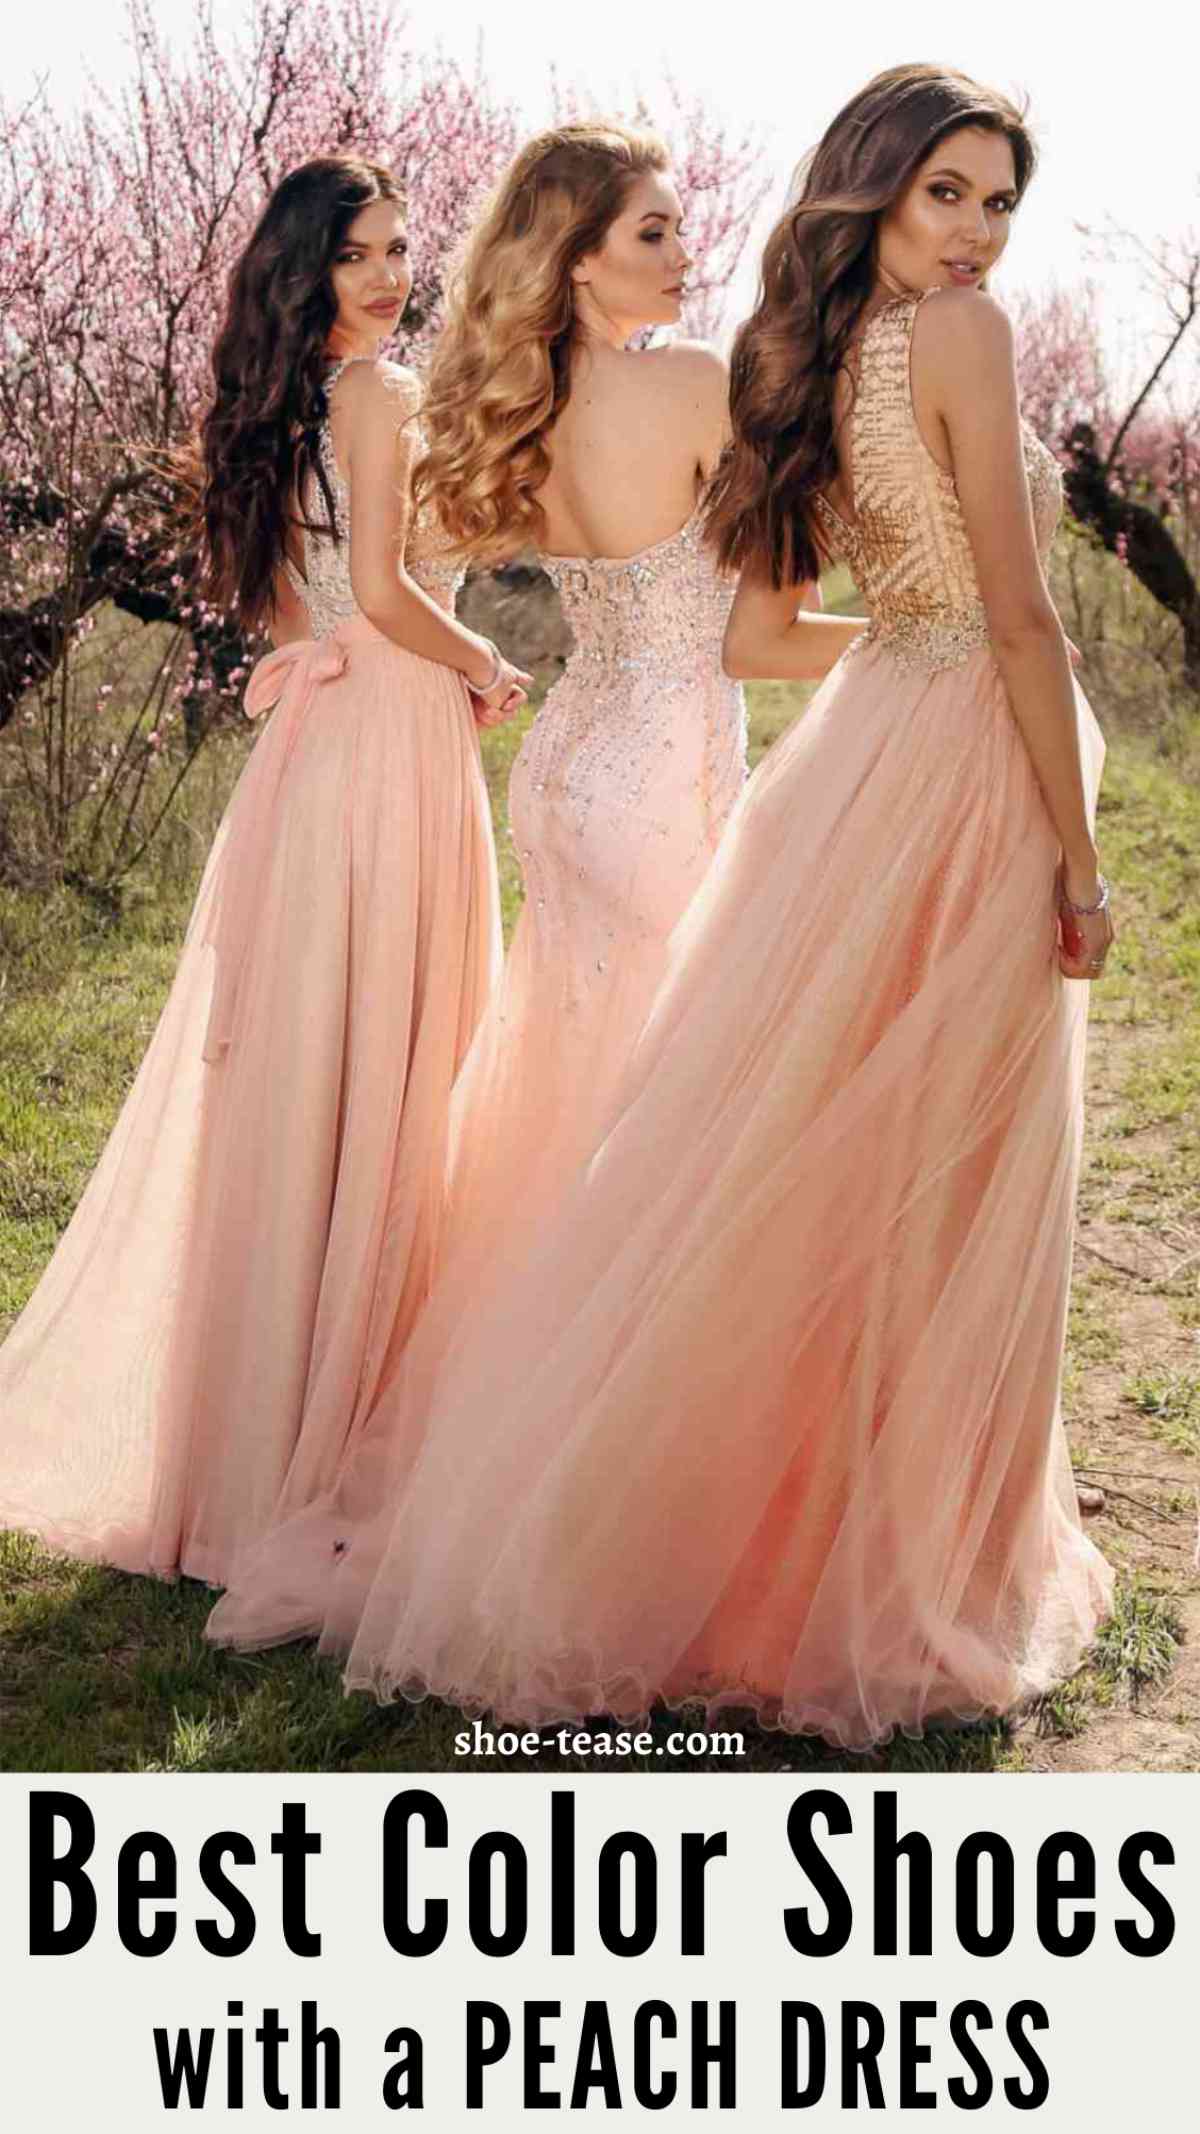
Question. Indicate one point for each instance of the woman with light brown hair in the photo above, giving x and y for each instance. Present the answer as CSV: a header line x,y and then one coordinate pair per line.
x,y
548,431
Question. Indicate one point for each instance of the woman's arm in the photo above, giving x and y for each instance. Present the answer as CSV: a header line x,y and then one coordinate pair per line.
x,y
766,638
963,360
700,387
288,617
772,635
380,446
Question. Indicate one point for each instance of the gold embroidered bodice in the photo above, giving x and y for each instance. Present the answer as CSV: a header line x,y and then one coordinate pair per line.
x,y
325,585
908,550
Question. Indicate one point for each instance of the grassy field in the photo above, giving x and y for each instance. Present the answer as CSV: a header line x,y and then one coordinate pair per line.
x,y
104,1672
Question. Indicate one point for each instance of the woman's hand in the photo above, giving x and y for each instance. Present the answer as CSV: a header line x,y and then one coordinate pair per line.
x,y
492,707
1085,937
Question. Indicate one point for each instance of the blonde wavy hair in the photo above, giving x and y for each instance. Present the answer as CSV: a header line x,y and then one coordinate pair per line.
x,y
500,372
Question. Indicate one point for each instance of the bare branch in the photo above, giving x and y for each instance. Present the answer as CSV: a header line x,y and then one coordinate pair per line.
x,y
1191,307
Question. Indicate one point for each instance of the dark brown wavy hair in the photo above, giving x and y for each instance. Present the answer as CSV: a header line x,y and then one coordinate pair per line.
x,y
258,441
500,372
818,272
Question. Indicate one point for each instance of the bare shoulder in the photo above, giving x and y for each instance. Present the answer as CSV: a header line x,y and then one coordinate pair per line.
x,y
700,356
689,374
378,391
695,361
954,328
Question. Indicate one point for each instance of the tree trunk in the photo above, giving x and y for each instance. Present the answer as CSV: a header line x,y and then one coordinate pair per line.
x,y
138,578
1150,549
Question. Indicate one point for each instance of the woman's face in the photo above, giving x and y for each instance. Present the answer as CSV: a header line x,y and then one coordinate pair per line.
x,y
951,223
636,276
371,278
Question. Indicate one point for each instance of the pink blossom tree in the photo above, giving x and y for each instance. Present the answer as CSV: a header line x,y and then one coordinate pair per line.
x,y
121,226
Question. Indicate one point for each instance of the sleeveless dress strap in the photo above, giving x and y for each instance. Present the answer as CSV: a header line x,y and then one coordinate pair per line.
x,y
340,364
882,422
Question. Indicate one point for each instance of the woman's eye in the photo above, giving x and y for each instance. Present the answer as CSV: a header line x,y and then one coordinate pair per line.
x,y
1002,206
652,237
945,192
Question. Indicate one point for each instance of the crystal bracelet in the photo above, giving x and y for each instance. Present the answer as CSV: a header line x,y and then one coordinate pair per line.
x,y
1088,911
482,689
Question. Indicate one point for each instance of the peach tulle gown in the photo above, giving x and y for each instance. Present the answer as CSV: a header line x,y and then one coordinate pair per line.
x,y
769,1415
261,1230
617,802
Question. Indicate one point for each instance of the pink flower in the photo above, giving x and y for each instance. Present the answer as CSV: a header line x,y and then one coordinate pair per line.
x,y
120,228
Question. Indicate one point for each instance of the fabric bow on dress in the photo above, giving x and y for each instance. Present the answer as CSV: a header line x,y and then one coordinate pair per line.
x,y
306,661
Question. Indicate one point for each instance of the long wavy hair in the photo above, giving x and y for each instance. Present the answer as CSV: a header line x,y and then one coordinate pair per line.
x,y
258,441
818,272
500,373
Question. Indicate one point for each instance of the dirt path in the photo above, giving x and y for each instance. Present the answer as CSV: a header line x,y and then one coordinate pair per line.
x,y
1132,1397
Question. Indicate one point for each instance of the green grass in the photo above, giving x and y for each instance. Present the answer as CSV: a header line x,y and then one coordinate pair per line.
x,y
1065,1712
83,998
1136,1649
1151,845
1137,1645
1171,1399
105,1672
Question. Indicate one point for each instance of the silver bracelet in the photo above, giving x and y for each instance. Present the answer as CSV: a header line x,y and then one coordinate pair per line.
x,y
1088,911
483,689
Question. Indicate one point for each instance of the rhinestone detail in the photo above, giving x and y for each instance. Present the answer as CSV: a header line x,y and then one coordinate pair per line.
x,y
908,550
325,586
628,774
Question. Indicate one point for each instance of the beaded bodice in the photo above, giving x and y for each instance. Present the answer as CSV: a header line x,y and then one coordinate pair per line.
x,y
660,614
908,549
629,771
647,631
325,585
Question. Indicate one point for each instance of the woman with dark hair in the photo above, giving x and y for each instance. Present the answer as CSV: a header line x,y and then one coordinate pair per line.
x,y
262,1227
770,1416
547,426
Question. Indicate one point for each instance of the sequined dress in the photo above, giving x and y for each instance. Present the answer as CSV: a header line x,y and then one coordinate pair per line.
x,y
769,1415
261,1229
617,802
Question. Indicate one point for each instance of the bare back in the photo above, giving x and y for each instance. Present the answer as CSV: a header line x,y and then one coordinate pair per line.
x,y
639,435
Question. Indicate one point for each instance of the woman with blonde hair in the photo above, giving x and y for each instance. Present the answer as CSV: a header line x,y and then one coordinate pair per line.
x,y
547,430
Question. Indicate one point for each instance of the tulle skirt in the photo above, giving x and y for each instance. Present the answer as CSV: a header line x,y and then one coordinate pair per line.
x,y
617,800
262,1228
768,1416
